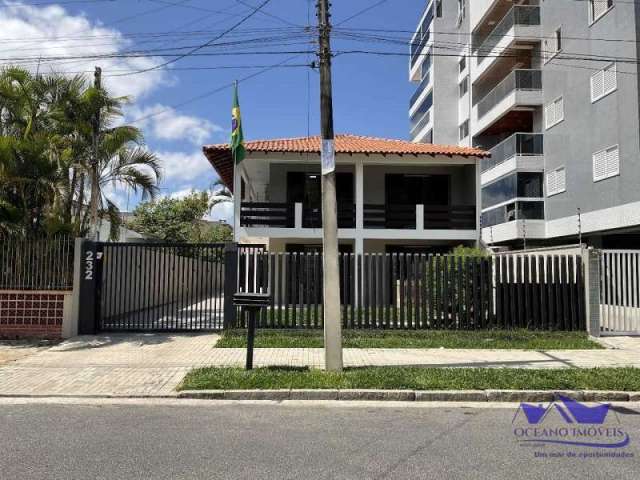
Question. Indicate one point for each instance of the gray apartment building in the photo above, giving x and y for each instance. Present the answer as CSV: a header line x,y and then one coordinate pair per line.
x,y
551,89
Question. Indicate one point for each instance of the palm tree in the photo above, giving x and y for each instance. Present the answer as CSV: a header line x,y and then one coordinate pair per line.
x,y
30,166
219,194
121,161
53,153
107,155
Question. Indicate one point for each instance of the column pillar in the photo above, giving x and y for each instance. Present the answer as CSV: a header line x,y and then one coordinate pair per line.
x,y
237,202
478,204
420,217
591,266
359,194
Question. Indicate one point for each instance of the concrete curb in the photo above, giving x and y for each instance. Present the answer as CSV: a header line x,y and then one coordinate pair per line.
x,y
415,395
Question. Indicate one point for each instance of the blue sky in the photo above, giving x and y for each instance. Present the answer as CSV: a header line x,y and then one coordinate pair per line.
x,y
371,93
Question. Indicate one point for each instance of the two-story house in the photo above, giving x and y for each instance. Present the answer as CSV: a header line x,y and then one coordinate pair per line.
x,y
392,195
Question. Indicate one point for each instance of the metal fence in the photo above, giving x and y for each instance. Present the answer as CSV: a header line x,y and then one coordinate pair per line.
x,y
620,291
411,291
36,263
160,287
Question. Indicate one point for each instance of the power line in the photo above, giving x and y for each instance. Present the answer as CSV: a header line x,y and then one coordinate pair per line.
x,y
361,12
200,47
468,34
267,14
217,89
191,69
41,4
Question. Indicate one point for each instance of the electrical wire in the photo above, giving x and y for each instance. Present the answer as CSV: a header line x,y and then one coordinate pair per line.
x,y
204,45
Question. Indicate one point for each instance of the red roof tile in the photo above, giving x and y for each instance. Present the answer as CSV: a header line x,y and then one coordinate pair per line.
x,y
354,144
220,155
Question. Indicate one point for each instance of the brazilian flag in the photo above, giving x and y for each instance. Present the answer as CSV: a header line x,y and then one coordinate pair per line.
x,y
237,139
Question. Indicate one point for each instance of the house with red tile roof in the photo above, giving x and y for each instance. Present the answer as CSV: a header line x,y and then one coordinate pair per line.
x,y
392,195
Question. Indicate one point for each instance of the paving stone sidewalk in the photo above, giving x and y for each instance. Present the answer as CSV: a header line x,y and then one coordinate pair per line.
x,y
154,364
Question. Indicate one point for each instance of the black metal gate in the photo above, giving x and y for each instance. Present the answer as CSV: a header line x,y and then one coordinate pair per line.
x,y
160,286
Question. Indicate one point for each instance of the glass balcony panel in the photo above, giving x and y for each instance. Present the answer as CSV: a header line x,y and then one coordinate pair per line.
x,y
519,15
522,144
516,80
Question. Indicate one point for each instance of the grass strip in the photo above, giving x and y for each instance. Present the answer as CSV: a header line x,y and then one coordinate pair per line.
x,y
493,339
414,378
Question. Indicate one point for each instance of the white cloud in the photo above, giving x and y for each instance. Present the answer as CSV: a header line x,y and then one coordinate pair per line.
x,y
180,167
180,194
35,34
118,195
222,211
165,123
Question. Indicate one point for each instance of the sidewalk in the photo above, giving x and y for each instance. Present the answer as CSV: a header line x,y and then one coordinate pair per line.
x,y
109,365
154,364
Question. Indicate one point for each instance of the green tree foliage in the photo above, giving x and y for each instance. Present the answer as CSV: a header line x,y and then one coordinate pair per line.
x,y
179,220
49,162
471,252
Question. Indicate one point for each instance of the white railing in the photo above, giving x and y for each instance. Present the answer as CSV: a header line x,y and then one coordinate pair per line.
x,y
620,292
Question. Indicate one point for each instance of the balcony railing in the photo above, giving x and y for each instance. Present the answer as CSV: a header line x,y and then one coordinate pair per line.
x,y
517,144
402,217
283,215
264,214
420,89
530,80
449,217
521,210
312,216
518,15
422,36
433,217
419,124
398,217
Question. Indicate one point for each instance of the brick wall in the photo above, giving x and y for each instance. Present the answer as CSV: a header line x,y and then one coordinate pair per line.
x,y
26,314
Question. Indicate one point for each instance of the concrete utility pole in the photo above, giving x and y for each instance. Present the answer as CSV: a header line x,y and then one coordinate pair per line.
x,y
331,278
95,180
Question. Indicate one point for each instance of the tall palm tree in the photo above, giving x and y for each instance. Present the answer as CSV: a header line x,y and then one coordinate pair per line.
x,y
111,155
30,168
53,154
220,194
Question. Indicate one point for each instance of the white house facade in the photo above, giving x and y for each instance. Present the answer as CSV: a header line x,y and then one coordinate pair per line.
x,y
393,196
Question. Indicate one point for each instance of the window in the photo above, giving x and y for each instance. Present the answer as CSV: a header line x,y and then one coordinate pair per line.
x,y
462,64
554,112
531,210
462,7
603,82
606,163
558,40
519,185
438,8
598,8
463,130
463,87
556,181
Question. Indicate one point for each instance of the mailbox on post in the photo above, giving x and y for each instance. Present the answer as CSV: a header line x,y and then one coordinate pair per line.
x,y
251,303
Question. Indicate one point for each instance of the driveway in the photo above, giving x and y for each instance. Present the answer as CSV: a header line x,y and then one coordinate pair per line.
x,y
109,365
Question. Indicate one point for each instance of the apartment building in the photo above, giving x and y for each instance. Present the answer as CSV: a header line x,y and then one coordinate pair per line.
x,y
551,89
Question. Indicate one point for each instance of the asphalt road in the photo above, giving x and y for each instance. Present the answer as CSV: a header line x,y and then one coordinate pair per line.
x,y
250,441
